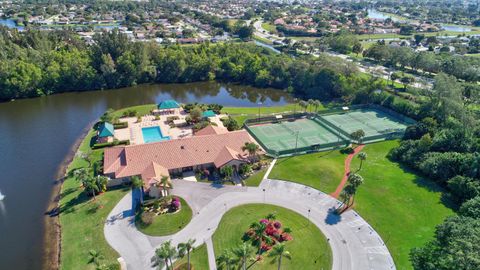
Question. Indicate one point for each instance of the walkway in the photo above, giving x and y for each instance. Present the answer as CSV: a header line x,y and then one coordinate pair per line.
x,y
348,161
354,244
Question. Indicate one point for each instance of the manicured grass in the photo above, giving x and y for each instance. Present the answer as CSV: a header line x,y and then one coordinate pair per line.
x,y
263,109
198,259
322,171
263,40
309,248
269,27
140,109
82,219
401,206
167,224
255,179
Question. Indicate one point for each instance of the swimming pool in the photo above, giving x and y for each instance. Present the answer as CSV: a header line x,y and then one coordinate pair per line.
x,y
153,134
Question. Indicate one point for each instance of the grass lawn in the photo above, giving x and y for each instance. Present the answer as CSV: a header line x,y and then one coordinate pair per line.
x,y
269,27
198,259
322,171
82,219
140,109
255,179
400,205
263,40
167,224
309,248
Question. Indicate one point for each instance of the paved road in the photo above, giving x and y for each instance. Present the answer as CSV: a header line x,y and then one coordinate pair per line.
x,y
355,245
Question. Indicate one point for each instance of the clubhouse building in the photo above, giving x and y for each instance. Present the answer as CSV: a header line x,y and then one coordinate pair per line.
x,y
210,148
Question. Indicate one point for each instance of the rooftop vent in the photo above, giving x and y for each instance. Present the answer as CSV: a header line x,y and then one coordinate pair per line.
x,y
182,147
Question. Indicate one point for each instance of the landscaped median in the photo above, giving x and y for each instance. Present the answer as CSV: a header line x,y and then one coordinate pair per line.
x,y
306,244
161,217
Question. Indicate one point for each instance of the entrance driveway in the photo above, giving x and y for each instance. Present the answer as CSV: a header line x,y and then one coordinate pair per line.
x,y
354,243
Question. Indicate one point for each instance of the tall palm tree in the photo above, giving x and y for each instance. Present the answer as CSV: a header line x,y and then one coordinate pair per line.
x,y
243,252
227,259
362,156
102,182
136,182
166,184
317,104
303,104
186,248
91,184
259,234
278,252
311,102
81,174
165,255
251,148
160,258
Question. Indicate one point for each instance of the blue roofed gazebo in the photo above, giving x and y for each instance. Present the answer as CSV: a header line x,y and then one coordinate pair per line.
x,y
106,130
208,113
168,105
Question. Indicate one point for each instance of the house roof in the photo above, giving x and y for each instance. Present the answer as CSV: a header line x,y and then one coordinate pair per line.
x,y
226,155
168,104
211,130
124,161
208,113
105,130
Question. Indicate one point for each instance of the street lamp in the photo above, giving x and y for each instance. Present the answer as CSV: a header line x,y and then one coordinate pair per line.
x,y
225,204
263,195
309,216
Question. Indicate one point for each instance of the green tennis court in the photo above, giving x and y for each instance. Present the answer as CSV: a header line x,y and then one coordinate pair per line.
x,y
372,121
283,136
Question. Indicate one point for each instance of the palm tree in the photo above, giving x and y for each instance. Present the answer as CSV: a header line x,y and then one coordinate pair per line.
x,y
102,183
94,257
271,216
311,102
362,156
227,258
91,184
259,234
166,184
81,174
355,180
186,247
160,258
136,182
303,104
243,252
165,255
278,252
251,148
346,196
317,104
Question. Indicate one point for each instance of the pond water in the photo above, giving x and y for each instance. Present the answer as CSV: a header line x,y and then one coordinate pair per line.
x,y
456,28
10,24
37,134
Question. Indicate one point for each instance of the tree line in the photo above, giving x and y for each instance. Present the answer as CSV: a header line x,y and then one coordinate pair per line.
x,y
36,63
466,68
445,147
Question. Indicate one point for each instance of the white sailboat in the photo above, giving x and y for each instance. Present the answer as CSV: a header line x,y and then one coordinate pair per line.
x,y
1,196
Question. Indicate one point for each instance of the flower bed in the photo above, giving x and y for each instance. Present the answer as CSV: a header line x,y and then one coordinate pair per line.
x,y
266,233
161,206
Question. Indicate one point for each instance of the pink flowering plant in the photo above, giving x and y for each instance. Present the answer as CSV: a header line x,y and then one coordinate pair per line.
x,y
267,232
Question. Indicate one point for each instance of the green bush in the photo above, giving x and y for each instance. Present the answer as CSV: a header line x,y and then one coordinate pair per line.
x,y
147,218
108,144
120,125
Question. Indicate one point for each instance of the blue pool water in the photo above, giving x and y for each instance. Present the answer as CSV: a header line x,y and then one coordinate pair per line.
x,y
153,134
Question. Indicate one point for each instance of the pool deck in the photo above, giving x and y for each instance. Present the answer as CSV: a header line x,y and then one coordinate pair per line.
x,y
134,130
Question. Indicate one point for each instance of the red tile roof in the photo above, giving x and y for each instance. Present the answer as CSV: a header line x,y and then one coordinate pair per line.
x,y
124,161
210,130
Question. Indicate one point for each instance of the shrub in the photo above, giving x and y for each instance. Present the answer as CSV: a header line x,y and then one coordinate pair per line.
x,y
147,218
120,125
108,144
230,123
171,118
129,113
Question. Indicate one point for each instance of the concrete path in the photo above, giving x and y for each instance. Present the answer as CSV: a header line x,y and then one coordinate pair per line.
x,y
354,243
211,254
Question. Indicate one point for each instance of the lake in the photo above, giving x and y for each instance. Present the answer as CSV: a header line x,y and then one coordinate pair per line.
x,y
37,134
456,28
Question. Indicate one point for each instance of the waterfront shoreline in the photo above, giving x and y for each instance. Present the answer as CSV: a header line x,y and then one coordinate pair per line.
x,y
52,240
